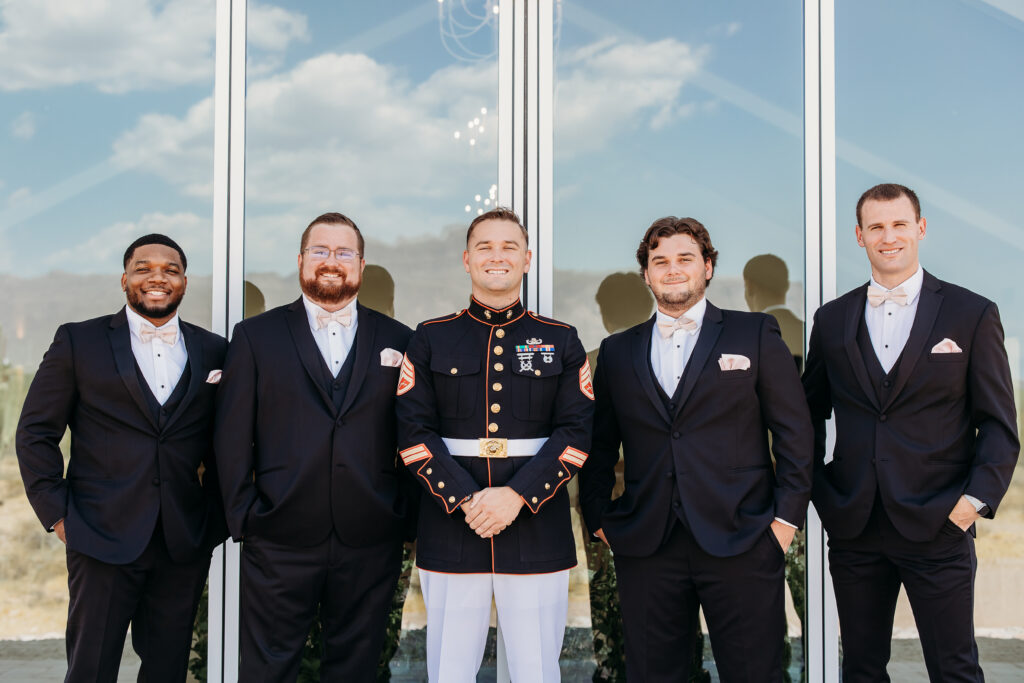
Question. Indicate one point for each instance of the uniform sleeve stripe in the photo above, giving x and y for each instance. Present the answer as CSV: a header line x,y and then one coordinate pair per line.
x,y
586,383
415,454
573,457
407,377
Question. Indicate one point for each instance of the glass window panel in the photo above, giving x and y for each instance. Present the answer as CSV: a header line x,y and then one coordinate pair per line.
x,y
930,97
106,116
387,113
686,109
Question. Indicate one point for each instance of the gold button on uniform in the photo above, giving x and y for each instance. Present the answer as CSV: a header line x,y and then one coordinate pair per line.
x,y
534,499
493,427
440,484
430,471
547,486
451,499
455,371
561,474
495,408
498,350
496,386
499,367
499,333
537,372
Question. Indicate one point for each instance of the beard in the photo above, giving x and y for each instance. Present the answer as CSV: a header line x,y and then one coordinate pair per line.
x,y
330,292
677,299
139,304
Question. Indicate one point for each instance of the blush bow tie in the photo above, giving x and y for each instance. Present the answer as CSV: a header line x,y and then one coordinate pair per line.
x,y
683,323
877,296
168,335
342,317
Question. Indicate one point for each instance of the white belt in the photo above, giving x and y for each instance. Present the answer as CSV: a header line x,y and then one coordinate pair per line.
x,y
494,448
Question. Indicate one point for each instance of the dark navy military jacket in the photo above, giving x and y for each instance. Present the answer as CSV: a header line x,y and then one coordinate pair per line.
x,y
487,373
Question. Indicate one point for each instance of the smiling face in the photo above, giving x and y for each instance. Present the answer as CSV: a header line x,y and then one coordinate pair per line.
x,y
154,282
330,283
677,273
496,259
890,232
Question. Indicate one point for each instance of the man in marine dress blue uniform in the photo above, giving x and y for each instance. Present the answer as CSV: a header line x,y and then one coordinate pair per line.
x,y
495,407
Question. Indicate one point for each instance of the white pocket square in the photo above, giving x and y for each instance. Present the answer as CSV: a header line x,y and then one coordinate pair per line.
x,y
390,358
947,345
214,377
733,361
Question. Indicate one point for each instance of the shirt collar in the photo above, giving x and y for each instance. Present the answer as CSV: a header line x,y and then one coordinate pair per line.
x,y
495,316
912,285
312,309
696,313
136,321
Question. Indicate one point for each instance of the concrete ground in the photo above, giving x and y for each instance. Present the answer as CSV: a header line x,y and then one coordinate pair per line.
x,y
42,661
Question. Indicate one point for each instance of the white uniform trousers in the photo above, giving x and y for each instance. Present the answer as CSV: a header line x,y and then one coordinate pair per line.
x,y
532,610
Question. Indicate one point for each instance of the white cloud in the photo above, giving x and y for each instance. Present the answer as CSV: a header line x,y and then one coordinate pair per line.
x,y
122,45
338,132
18,196
273,28
106,245
345,132
177,149
23,127
608,85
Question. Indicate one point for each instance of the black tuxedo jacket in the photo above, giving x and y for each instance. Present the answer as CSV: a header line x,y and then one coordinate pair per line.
x,y
712,448
948,427
293,465
125,470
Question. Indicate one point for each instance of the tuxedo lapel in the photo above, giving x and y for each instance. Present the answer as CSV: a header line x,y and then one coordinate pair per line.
x,y
195,360
854,315
309,354
641,351
124,359
710,329
924,320
365,333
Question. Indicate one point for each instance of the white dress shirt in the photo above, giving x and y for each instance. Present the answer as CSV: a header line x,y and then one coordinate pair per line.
x,y
669,355
889,323
161,363
335,340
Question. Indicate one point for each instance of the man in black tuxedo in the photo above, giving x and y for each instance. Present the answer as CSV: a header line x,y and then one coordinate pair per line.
x,y
138,519
926,442
705,519
305,440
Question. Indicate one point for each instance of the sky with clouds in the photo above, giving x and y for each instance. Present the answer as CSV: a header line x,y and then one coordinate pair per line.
x,y
382,111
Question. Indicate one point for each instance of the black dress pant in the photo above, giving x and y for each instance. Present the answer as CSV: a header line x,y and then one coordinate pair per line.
x,y
938,575
744,605
282,586
157,596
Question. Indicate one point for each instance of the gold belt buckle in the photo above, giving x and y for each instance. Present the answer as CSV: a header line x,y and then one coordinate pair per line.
x,y
493,448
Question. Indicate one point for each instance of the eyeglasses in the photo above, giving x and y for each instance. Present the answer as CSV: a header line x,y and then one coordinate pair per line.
x,y
343,254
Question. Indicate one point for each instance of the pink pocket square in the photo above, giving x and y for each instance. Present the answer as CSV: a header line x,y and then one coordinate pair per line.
x,y
214,377
733,361
947,345
390,358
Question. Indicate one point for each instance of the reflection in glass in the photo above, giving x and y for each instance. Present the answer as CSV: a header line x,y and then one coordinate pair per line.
x,y
107,125
944,121
386,112
666,108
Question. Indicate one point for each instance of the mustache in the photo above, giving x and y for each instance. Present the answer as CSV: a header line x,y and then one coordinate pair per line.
x,y
328,270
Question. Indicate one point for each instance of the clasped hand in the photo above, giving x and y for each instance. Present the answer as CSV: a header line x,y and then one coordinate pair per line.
x,y
489,511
